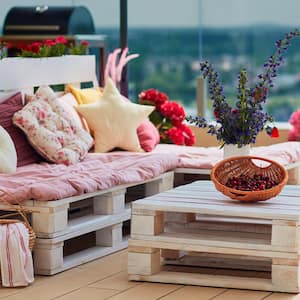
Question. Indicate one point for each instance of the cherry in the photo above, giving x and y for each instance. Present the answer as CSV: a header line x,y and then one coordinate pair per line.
x,y
246,183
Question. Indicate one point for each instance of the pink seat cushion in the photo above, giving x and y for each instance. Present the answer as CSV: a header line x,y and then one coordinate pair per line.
x,y
148,135
25,153
98,171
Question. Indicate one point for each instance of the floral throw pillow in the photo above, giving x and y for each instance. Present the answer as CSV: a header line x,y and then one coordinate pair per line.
x,y
50,129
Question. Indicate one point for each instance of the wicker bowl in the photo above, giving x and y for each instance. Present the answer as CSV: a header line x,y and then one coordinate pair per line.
x,y
249,166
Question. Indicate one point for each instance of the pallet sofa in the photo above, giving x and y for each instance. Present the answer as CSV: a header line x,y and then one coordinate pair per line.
x,y
81,211
88,212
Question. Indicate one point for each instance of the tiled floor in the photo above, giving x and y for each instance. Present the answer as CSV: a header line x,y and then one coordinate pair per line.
x,y
106,278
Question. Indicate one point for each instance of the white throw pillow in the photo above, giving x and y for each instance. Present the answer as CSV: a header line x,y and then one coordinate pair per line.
x,y
114,121
8,154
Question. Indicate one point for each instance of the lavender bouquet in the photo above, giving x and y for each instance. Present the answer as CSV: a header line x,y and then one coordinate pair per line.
x,y
241,123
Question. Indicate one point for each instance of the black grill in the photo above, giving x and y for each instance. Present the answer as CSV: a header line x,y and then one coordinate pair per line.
x,y
44,20
27,24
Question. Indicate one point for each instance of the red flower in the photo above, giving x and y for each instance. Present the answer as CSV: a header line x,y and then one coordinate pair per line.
x,y
27,47
8,45
35,47
61,40
173,111
168,118
21,46
189,136
50,43
84,43
175,135
216,114
154,97
275,132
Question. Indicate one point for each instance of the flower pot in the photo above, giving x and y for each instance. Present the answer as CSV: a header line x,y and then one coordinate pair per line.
x,y
231,150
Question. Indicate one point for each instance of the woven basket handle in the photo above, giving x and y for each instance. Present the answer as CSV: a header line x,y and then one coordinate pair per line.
x,y
238,195
19,208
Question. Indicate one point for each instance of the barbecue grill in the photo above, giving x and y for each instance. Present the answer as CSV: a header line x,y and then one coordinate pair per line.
x,y
27,24
45,20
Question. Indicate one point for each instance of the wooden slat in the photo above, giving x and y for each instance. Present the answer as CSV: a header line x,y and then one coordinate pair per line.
x,y
210,260
204,194
215,280
232,294
222,224
220,210
206,280
73,68
202,246
219,201
208,191
191,292
216,240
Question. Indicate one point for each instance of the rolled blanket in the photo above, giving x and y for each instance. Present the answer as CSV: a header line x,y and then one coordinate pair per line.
x,y
15,255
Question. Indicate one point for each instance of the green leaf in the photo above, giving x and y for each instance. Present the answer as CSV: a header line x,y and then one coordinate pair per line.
x,y
156,118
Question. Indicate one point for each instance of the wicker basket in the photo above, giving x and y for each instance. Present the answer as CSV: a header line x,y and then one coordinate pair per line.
x,y
18,215
250,166
29,228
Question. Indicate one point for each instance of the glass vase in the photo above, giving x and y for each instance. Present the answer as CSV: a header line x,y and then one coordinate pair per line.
x,y
231,150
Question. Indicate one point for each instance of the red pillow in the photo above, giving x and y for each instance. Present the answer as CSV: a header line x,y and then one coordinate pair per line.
x,y
25,153
148,135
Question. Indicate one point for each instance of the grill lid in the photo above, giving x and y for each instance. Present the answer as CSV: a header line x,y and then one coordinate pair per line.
x,y
44,20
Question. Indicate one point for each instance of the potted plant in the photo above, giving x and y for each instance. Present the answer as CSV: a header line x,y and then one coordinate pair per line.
x,y
237,126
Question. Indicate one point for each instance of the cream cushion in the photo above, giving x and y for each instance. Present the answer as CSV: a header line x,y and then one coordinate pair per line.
x,y
114,121
8,154
51,130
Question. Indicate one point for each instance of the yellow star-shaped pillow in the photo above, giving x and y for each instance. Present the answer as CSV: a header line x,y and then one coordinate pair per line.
x,y
114,121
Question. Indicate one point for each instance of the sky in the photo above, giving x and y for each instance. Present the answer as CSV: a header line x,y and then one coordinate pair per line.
x,y
180,13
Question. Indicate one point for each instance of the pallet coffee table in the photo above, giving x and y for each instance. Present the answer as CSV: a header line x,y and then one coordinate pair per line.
x,y
195,235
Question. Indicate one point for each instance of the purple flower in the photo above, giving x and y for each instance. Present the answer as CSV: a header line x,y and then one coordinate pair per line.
x,y
241,124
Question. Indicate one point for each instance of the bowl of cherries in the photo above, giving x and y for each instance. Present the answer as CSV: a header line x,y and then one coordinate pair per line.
x,y
249,178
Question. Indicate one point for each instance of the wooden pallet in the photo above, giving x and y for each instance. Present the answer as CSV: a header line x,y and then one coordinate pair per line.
x,y
78,229
195,235
51,255
54,218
